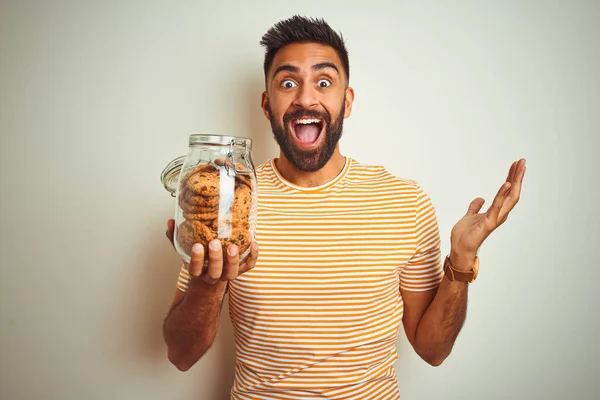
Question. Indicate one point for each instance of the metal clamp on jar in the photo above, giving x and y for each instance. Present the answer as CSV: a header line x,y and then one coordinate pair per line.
x,y
215,188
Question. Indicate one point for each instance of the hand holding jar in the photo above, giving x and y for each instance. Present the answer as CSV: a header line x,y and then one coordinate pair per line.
x,y
215,216
220,267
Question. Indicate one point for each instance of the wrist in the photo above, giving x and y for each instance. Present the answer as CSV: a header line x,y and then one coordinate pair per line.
x,y
200,287
462,261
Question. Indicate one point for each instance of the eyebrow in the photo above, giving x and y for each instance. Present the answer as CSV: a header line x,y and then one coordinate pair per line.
x,y
316,67
323,65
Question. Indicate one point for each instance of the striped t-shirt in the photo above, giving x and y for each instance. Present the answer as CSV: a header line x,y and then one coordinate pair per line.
x,y
318,316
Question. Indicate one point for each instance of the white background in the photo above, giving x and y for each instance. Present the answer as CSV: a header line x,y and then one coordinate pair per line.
x,y
97,97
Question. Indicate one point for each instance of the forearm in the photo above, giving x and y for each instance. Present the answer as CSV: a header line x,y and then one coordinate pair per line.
x,y
441,323
190,328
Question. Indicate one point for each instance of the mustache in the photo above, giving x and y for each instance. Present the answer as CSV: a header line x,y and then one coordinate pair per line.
x,y
287,117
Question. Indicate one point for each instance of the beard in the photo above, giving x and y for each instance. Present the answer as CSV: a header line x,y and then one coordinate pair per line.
x,y
308,160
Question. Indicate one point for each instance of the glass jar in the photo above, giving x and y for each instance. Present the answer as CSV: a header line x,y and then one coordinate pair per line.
x,y
215,188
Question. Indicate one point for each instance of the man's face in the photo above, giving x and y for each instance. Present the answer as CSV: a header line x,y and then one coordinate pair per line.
x,y
306,102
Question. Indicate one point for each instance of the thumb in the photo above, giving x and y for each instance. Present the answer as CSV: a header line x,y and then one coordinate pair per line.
x,y
475,206
170,230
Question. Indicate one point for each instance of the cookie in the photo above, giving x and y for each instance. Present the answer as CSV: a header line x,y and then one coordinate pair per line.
x,y
186,207
203,183
241,204
208,216
200,168
235,223
240,237
198,200
204,210
190,232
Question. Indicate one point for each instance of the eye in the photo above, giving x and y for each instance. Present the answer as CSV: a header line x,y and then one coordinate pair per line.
x,y
323,83
288,84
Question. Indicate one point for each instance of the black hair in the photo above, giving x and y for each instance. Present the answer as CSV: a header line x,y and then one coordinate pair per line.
x,y
298,29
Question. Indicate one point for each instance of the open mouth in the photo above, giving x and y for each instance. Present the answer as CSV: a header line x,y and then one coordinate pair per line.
x,y
307,130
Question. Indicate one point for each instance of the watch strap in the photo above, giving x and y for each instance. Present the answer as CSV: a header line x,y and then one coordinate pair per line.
x,y
458,275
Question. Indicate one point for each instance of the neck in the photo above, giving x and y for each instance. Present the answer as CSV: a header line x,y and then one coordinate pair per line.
x,y
332,169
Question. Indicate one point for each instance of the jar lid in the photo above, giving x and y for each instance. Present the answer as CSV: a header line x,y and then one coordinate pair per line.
x,y
203,138
170,175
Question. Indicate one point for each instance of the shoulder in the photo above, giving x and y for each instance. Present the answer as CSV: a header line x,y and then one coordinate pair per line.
x,y
264,170
266,177
380,183
378,175
261,168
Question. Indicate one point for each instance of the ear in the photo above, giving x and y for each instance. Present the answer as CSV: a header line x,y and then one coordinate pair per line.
x,y
349,99
265,104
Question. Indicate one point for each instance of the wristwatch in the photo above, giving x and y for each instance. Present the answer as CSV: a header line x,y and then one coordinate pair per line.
x,y
461,276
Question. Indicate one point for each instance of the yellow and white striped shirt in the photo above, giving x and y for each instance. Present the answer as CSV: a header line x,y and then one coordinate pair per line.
x,y
318,316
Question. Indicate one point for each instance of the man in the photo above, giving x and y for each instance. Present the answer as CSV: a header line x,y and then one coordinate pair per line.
x,y
347,251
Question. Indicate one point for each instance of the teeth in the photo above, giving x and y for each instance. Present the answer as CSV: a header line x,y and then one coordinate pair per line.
x,y
308,121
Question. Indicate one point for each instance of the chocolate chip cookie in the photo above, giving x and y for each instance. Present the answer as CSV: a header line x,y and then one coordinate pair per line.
x,y
206,216
191,232
199,168
204,183
240,237
198,200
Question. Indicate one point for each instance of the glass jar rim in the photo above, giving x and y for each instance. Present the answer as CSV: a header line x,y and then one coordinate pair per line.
x,y
216,139
170,174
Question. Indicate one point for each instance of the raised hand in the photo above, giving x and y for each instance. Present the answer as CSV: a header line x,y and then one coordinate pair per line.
x,y
471,231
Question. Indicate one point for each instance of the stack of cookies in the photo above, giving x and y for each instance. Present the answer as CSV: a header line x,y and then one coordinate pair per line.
x,y
206,218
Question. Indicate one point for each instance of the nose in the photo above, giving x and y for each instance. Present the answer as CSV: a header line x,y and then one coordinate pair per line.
x,y
306,97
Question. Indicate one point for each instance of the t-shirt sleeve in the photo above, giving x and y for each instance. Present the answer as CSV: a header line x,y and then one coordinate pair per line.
x,y
183,279
424,269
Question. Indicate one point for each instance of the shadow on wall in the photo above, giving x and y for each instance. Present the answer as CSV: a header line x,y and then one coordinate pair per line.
x,y
259,128
156,287
156,282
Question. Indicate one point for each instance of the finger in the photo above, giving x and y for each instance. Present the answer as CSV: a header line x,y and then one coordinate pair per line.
x,y
197,260
515,191
511,172
222,162
517,171
475,206
233,261
520,171
494,211
215,261
170,231
251,260
516,182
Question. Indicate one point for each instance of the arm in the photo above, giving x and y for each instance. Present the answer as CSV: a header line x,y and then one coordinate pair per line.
x,y
433,319
193,319
190,327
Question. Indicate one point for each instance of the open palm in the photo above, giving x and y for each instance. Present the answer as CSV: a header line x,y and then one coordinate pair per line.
x,y
469,233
